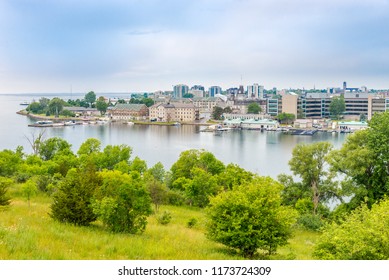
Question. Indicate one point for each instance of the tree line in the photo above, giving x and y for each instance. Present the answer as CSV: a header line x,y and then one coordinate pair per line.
x,y
247,212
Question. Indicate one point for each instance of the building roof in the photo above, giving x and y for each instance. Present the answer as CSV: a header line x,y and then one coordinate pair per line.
x,y
131,107
79,109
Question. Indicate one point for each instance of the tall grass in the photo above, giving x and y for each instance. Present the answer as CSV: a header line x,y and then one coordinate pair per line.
x,y
29,233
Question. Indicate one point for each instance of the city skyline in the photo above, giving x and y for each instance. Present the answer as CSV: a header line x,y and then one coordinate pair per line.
x,y
135,46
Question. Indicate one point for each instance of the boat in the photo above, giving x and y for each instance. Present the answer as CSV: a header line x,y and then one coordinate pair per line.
x,y
25,103
70,123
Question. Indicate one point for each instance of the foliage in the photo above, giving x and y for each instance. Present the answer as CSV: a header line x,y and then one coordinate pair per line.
x,y
286,118
90,97
363,235
164,218
101,105
113,155
55,106
227,110
310,222
195,158
337,106
52,147
233,175
250,217
202,186
29,189
191,223
4,185
308,162
72,200
217,113
9,162
122,202
158,192
253,108
363,160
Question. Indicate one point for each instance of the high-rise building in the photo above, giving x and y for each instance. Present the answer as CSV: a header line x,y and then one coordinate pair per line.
x,y
198,87
180,90
255,91
214,90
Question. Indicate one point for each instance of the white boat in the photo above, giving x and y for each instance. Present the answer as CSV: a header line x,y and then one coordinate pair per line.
x,y
25,103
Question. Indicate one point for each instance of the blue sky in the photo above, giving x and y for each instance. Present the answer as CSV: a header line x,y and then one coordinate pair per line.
x,y
149,45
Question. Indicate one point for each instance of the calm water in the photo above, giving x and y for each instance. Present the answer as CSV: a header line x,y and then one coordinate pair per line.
x,y
266,153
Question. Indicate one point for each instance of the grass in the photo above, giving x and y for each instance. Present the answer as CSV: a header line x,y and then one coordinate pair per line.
x,y
30,233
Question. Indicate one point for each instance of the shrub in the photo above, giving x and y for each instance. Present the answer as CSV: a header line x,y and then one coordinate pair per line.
x,y
4,184
72,200
310,222
191,223
363,235
251,217
122,202
164,218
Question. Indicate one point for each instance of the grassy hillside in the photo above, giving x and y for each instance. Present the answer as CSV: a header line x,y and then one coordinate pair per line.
x,y
29,233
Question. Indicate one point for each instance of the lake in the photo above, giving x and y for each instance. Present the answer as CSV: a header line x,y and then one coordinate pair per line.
x,y
266,153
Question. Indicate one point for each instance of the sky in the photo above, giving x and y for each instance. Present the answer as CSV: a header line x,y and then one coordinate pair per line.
x,y
148,45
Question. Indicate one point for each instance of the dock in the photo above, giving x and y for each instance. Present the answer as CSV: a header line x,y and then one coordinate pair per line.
x,y
307,132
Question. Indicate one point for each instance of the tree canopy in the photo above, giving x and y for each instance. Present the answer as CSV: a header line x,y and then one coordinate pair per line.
x,y
254,108
250,217
337,106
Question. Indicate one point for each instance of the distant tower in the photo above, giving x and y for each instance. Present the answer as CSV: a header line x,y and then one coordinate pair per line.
x,y
344,86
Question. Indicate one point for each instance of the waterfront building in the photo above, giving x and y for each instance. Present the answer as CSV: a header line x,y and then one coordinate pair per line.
x,y
82,111
214,90
174,112
290,104
240,105
127,112
273,106
252,124
180,90
207,104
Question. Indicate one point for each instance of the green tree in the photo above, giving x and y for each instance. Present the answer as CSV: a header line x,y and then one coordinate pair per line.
x,y
250,217
227,110
4,185
55,106
158,192
112,155
29,189
90,97
233,175
363,235
217,113
202,186
53,146
309,162
253,108
122,202
286,118
363,159
101,105
337,106
72,200
90,146
195,158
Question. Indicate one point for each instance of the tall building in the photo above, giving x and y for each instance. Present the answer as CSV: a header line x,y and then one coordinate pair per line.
x,y
198,87
214,90
255,91
180,90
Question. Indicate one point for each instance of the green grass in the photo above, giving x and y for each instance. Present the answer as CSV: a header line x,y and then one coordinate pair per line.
x,y
30,233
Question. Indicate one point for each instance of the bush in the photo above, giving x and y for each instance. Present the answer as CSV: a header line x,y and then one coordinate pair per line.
x,y
191,223
251,217
310,222
164,218
4,185
122,202
175,198
72,200
363,235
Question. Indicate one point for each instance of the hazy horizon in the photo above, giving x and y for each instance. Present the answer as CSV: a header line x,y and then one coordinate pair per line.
x,y
145,46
